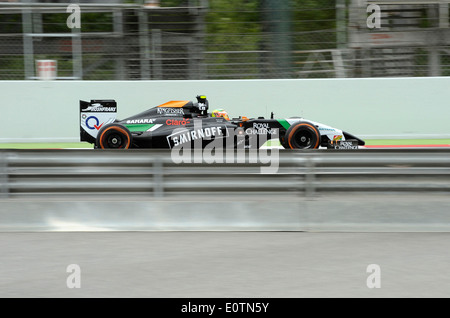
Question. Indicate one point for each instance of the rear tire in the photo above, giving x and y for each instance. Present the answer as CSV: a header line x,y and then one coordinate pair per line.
x,y
114,136
302,135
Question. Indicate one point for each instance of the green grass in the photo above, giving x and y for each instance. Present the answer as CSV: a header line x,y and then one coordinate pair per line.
x,y
369,142
45,145
386,142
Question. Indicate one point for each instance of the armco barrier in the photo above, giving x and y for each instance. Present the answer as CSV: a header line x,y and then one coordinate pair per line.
x,y
364,190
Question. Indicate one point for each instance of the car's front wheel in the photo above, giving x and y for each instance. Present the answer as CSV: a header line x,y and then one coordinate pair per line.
x,y
302,135
114,136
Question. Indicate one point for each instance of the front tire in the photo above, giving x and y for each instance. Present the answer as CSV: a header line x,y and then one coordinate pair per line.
x,y
114,136
302,135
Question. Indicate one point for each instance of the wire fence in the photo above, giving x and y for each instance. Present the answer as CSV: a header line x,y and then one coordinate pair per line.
x,y
253,39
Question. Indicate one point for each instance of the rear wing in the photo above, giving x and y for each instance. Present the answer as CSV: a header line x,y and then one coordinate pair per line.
x,y
94,115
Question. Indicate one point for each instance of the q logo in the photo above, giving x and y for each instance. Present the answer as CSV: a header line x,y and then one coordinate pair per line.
x,y
96,125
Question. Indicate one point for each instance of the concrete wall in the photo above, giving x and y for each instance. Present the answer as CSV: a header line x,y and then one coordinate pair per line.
x,y
370,108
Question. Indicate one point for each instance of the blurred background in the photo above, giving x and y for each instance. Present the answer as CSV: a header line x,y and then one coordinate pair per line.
x,y
218,39
144,53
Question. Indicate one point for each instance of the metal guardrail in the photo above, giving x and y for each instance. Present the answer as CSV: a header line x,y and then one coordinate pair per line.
x,y
154,174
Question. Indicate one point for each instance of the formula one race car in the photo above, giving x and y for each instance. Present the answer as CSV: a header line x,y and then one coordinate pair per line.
x,y
188,123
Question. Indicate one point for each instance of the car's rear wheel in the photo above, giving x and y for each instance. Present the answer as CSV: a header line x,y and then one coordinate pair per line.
x,y
114,136
302,135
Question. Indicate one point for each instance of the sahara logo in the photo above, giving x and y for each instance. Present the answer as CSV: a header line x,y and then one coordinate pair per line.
x,y
140,121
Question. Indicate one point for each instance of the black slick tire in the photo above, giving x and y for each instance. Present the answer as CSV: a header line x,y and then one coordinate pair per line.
x,y
302,135
114,136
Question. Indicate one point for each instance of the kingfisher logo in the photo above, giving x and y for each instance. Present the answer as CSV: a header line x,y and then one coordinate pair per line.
x,y
170,111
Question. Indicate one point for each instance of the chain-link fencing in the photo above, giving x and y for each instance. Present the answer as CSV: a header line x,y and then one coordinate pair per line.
x,y
200,39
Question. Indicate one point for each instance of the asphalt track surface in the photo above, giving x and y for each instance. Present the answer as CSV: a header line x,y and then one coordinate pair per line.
x,y
224,264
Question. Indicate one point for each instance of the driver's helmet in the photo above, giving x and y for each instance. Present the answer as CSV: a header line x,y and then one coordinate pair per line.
x,y
220,113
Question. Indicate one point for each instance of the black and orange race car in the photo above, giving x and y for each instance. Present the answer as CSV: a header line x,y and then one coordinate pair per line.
x,y
189,123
